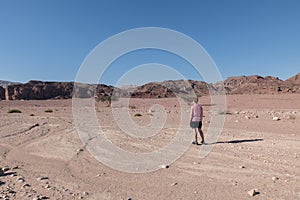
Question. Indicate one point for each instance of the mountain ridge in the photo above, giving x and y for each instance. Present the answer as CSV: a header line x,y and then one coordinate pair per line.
x,y
254,84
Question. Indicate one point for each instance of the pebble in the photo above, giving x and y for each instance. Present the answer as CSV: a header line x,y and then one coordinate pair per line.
x,y
47,186
5,169
242,167
247,117
253,192
1,172
274,178
42,178
20,180
164,166
25,185
173,184
102,174
275,119
85,193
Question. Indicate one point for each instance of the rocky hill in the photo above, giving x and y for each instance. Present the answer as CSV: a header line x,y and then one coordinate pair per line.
x,y
294,79
38,90
4,84
259,85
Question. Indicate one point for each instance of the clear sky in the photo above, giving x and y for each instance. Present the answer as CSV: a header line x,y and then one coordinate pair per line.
x,y
49,39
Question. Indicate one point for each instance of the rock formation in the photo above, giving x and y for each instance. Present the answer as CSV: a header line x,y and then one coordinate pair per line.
x,y
38,90
2,93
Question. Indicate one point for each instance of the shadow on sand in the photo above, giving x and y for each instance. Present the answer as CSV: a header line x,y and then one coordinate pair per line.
x,y
236,141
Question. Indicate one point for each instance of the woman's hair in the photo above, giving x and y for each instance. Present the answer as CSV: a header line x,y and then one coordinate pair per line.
x,y
195,100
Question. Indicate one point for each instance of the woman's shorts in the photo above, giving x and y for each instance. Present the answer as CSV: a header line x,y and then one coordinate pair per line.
x,y
196,124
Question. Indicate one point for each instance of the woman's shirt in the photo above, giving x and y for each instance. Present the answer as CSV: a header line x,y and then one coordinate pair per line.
x,y
196,112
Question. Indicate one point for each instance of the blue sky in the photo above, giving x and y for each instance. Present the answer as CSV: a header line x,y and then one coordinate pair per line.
x,y
48,40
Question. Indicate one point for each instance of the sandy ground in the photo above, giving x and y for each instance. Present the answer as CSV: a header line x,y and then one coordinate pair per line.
x,y
43,157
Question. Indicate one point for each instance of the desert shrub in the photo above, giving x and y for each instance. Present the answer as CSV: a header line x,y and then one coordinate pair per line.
x,y
107,99
48,111
132,107
292,117
14,111
224,112
138,115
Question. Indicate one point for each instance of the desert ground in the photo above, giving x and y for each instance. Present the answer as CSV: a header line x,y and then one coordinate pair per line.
x,y
43,157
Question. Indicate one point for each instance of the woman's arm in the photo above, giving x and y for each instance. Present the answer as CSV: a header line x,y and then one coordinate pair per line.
x,y
192,113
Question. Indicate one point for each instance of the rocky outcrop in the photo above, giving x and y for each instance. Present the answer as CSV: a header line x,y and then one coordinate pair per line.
x,y
257,85
2,93
38,90
152,90
294,79
4,84
171,89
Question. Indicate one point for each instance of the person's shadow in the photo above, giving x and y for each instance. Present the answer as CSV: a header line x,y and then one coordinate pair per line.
x,y
236,141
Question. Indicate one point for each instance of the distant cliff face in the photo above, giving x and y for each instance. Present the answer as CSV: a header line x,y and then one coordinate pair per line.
x,y
259,85
4,84
2,93
38,90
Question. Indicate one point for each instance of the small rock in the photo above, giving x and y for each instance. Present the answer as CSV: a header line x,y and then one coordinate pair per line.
x,y
25,185
173,184
79,150
1,172
85,193
20,180
42,178
164,166
102,174
150,111
247,117
5,169
275,119
242,167
253,192
47,186
274,178
256,116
